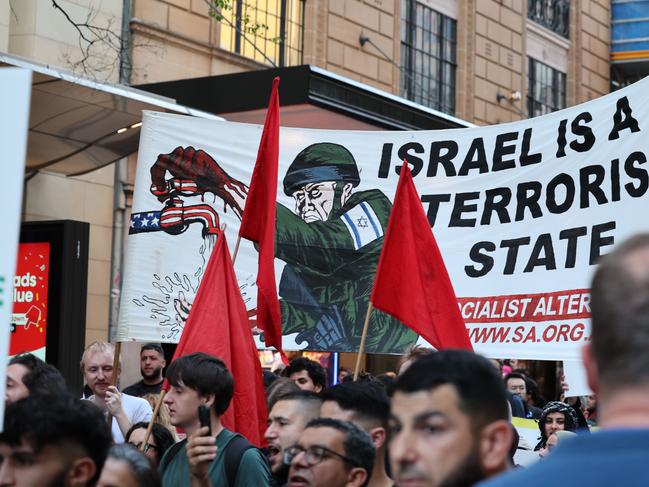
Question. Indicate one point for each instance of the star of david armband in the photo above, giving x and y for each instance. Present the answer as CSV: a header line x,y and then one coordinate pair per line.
x,y
363,225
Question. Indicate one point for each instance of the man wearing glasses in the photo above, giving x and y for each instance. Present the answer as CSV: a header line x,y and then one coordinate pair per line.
x,y
330,453
286,421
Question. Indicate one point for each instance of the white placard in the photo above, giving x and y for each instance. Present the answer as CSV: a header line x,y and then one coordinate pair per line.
x,y
574,374
521,212
15,92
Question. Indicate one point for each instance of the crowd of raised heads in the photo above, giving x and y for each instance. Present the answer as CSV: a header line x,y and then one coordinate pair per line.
x,y
448,418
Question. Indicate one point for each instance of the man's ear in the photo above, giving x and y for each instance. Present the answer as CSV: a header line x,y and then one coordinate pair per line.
x,y
495,444
357,477
378,436
80,472
209,400
591,367
164,363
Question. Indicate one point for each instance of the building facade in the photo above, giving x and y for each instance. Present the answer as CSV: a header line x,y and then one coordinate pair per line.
x,y
483,61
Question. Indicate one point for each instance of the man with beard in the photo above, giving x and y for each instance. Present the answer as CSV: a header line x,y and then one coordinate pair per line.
x,y
449,422
152,361
126,410
331,453
286,421
53,442
617,369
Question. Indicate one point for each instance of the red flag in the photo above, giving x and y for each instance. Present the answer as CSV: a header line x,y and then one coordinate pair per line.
x,y
411,281
218,325
258,223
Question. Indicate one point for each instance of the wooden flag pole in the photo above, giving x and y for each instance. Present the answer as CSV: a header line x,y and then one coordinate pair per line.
x,y
156,412
361,348
236,250
113,382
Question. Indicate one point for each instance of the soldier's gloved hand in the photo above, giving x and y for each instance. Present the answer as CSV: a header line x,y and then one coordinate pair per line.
x,y
328,334
197,165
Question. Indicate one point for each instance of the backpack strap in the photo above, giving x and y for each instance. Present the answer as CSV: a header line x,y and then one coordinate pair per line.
x,y
170,455
233,454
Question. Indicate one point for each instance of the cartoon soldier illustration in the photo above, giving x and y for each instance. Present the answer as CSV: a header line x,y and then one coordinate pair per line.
x,y
331,244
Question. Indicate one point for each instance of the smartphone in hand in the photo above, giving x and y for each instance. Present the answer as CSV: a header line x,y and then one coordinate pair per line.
x,y
204,418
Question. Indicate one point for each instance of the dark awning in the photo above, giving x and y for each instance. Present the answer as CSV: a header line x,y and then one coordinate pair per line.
x,y
77,125
310,97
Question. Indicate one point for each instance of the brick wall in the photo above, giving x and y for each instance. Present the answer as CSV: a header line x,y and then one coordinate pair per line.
x,y
177,39
377,20
494,42
498,62
589,75
39,32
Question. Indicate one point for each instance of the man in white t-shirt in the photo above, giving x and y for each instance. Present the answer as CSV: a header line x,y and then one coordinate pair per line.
x,y
97,369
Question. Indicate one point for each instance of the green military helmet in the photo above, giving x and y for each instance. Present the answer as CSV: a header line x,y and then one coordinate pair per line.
x,y
320,162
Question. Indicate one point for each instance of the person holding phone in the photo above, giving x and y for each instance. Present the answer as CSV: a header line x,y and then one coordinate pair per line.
x,y
200,393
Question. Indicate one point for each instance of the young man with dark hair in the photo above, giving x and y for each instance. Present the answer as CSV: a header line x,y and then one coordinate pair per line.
x,y
307,374
286,421
210,456
449,421
27,374
53,441
331,453
617,368
152,362
367,405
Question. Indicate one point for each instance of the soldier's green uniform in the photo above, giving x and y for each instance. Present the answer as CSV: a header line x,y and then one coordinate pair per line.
x,y
330,265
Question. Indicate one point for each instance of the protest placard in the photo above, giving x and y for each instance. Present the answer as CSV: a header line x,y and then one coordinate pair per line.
x,y
521,212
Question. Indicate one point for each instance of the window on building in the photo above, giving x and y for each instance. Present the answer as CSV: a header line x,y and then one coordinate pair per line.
x,y
551,14
546,88
428,56
268,31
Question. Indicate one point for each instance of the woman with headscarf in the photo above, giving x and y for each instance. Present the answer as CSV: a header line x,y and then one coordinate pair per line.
x,y
556,416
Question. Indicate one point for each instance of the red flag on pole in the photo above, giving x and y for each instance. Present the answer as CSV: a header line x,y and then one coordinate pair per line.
x,y
218,325
258,223
411,281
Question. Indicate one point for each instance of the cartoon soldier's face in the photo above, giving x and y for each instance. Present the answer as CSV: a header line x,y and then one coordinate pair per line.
x,y
315,201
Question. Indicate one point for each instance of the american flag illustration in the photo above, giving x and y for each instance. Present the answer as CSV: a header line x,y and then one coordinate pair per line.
x,y
145,222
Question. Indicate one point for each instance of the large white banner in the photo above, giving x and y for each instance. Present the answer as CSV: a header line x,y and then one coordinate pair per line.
x,y
521,212
15,91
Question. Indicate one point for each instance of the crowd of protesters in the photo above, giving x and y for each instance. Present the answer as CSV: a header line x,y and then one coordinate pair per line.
x,y
442,419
